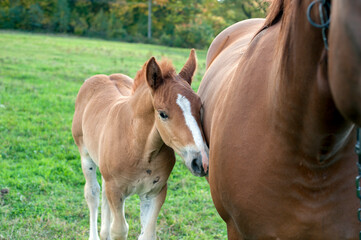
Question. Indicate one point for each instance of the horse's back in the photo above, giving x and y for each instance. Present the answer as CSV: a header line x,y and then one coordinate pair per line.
x,y
223,58
94,101
236,32
123,83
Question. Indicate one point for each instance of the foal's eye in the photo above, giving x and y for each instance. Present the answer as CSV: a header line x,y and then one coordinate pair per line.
x,y
163,115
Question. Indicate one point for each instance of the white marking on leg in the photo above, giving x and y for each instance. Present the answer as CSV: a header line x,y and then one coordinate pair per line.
x,y
185,105
144,213
106,215
149,211
91,193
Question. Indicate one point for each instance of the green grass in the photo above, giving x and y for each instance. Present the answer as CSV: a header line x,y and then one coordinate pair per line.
x,y
40,76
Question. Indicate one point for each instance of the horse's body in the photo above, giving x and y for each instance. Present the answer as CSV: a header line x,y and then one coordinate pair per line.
x,y
129,131
280,129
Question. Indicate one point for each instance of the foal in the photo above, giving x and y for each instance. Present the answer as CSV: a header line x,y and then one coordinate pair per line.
x,y
130,131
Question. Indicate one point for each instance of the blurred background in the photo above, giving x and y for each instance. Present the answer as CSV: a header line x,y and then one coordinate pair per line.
x,y
176,23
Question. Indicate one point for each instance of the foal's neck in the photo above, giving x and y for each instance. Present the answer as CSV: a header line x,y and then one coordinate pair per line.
x,y
142,104
143,123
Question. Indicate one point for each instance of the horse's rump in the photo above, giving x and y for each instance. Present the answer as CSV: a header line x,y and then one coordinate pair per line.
x,y
226,51
243,30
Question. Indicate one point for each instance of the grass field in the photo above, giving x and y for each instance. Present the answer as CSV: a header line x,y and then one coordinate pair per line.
x,y
39,163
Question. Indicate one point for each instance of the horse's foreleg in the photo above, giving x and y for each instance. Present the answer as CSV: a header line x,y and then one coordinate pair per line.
x,y
106,215
149,211
116,200
91,193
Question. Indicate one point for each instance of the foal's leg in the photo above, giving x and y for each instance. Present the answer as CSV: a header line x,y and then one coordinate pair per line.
x,y
106,215
149,211
91,193
116,200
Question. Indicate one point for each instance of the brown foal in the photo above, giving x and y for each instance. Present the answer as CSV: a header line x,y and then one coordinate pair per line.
x,y
129,130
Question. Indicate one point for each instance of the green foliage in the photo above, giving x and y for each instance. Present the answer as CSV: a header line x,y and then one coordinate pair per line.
x,y
174,23
79,25
235,9
61,18
35,17
193,34
115,29
16,16
40,76
99,25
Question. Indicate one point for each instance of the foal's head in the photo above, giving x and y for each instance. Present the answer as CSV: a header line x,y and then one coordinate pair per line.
x,y
177,111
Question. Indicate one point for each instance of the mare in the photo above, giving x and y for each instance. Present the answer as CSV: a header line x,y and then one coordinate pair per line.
x,y
129,130
280,112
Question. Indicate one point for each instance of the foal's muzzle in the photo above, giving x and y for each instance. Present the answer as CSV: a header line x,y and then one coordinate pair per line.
x,y
197,166
196,161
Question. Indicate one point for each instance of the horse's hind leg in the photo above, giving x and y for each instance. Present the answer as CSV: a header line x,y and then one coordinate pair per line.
x,y
149,211
91,193
106,215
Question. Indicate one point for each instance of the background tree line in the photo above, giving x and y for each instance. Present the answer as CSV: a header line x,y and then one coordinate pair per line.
x,y
180,23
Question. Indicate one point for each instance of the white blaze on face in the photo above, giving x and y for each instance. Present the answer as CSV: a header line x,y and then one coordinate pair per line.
x,y
185,105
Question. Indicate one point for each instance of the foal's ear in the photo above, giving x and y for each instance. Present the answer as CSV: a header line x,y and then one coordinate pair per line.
x,y
190,67
154,74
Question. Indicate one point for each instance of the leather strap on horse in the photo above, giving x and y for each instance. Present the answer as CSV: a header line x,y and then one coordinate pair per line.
x,y
358,178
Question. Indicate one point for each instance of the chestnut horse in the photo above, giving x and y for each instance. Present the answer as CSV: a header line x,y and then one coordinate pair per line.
x,y
279,115
130,131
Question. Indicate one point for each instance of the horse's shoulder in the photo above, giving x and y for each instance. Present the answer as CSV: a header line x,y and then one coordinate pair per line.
x,y
231,34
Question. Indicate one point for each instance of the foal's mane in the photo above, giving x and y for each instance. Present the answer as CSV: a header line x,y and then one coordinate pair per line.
x,y
166,67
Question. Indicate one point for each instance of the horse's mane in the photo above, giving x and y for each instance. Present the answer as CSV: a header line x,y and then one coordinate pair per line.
x,y
166,67
276,11
282,11
274,15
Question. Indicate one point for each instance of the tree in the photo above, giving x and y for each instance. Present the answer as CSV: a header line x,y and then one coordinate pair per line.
x,y
35,16
99,24
149,19
62,16
236,10
182,23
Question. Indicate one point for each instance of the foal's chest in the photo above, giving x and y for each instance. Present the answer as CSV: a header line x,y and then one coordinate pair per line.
x,y
147,184
138,174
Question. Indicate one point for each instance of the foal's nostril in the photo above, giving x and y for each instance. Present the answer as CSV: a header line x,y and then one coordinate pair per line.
x,y
197,165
